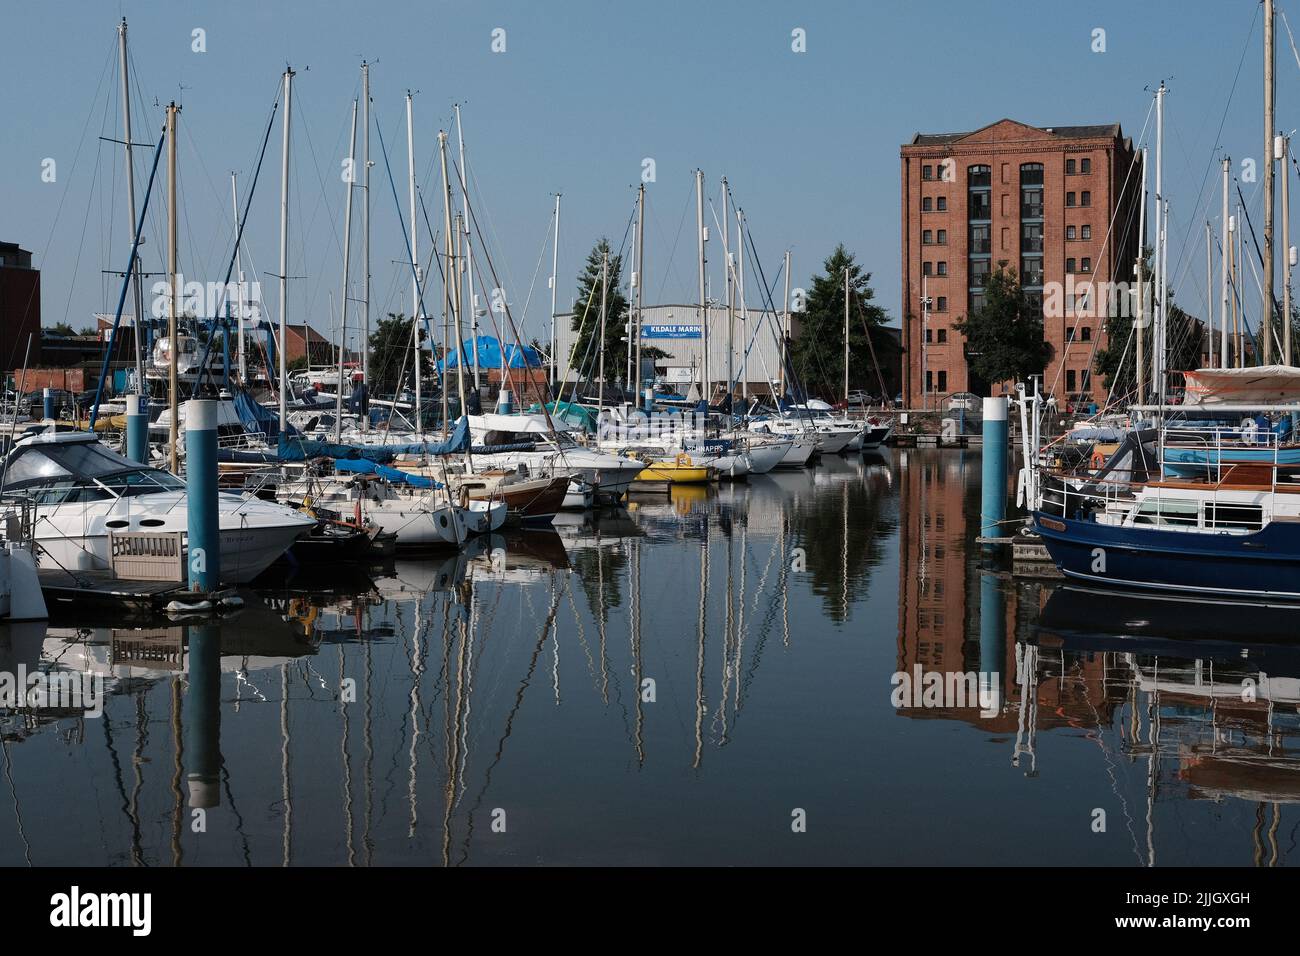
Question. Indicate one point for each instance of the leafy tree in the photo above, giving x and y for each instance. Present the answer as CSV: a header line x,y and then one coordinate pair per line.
x,y
62,328
1004,337
390,351
817,353
586,315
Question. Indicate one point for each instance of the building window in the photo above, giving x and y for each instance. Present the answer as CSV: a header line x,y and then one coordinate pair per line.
x,y
979,273
927,237
942,203
1086,333
943,304
1087,232
943,336
929,381
928,267
929,336
1031,237
943,387
979,177
1086,265
979,240
927,172
1031,271
1069,232
1085,198
942,237
926,204
975,300
1069,167
942,267
1069,200
1069,266
1069,334
1085,165
1070,380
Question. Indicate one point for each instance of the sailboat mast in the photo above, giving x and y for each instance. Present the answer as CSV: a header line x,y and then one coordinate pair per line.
x,y
365,241
640,285
555,284
846,336
347,258
1157,337
1143,316
242,298
469,254
415,270
460,352
1225,254
1209,290
284,249
1286,250
704,306
130,203
173,301
604,286
785,325
740,278
728,266
1266,320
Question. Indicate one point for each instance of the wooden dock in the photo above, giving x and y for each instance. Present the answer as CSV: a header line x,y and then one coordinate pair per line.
x,y
106,594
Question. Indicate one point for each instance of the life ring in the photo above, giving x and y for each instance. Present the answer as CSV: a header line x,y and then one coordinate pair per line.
x,y
1097,462
684,460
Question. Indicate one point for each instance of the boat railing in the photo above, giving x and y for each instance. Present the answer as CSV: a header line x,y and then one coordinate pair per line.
x,y
18,514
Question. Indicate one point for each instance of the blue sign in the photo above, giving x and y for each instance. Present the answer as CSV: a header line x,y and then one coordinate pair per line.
x,y
670,331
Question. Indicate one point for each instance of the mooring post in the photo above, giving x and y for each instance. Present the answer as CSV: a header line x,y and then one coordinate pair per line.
x,y
650,399
201,494
504,404
137,428
993,501
202,715
48,396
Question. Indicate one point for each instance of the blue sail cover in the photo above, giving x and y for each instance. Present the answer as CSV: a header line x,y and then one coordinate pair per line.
x,y
256,417
397,477
489,355
301,449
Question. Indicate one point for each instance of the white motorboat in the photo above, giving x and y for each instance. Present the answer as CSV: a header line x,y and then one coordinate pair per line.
x,y
81,491
421,518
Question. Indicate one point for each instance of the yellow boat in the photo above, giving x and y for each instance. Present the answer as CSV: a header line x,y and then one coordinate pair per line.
x,y
680,471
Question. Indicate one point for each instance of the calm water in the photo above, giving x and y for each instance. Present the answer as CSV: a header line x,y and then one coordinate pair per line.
x,y
676,684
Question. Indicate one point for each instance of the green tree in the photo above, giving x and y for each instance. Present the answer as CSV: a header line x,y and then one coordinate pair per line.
x,y
817,353
586,317
1117,362
391,351
1004,337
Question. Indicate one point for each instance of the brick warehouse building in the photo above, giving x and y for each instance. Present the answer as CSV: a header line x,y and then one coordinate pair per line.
x,y
1048,203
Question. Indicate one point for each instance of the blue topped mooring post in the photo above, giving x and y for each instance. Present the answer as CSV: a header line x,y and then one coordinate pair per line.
x,y
201,494
993,500
48,396
137,428
504,404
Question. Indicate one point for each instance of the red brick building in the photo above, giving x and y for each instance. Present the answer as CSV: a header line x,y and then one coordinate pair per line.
x,y
20,307
1059,205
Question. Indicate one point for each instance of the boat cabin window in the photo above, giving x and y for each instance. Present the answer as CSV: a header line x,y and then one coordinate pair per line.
x,y
1165,511
1236,517
80,471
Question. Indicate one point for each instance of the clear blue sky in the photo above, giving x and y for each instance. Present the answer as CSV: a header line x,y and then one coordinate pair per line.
x,y
584,92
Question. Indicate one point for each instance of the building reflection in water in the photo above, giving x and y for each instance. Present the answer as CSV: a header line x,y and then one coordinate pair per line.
x,y
1205,696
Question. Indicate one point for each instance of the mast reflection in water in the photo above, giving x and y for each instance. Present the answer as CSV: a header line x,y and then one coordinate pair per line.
x,y
681,682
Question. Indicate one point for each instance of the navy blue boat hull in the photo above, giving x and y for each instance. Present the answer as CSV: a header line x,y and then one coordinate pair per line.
x,y
1264,564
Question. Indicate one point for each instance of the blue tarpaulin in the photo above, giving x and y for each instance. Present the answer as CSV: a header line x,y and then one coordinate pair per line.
x,y
489,355
394,475
301,449
257,418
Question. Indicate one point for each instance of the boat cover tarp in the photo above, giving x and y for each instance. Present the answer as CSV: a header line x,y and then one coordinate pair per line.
x,y
256,417
362,466
1263,385
490,354
301,449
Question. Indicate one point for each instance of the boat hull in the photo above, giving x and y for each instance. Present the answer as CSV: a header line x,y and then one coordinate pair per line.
x,y
1263,564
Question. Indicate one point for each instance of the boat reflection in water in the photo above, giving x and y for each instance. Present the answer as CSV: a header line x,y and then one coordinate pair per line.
x,y
1219,717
